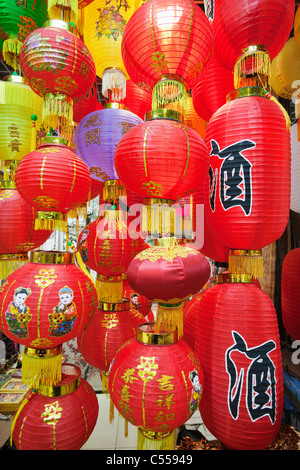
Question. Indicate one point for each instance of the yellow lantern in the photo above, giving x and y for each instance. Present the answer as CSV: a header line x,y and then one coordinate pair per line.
x,y
297,25
103,27
18,103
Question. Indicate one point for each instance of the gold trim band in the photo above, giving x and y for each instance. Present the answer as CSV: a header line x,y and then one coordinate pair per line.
x,y
15,79
223,278
51,215
234,252
114,307
246,92
52,257
8,184
54,140
152,201
154,435
102,278
14,257
114,105
54,23
164,113
42,353
171,76
145,334
63,388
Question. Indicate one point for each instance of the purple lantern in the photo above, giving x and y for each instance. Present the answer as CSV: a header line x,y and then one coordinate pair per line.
x,y
97,135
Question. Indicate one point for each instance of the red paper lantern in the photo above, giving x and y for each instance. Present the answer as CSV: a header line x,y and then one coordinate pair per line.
x,y
238,345
44,303
155,383
138,302
59,67
244,136
86,104
190,321
54,180
210,92
137,100
61,417
289,293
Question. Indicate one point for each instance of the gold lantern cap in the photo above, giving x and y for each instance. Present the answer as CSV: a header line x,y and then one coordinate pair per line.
x,y
54,23
115,105
54,140
146,334
246,91
52,257
232,278
114,306
15,79
71,378
164,113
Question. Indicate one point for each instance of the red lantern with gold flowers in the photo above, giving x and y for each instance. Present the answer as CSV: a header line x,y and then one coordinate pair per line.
x,y
45,303
58,66
60,417
156,383
54,180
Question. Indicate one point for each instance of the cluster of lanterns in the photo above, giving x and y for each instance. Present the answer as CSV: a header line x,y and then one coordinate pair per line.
x,y
188,116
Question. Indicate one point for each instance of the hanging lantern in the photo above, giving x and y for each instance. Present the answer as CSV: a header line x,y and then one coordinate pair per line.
x,y
138,100
168,275
44,303
243,137
138,303
165,45
86,104
155,383
57,417
297,25
59,67
210,92
170,161
238,345
248,35
103,30
295,169
17,20
54,180
190,321
289,293
66,10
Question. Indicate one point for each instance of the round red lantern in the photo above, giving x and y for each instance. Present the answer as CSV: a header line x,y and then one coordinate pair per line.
x,y
289,293
138,100
44,303
54,180
155,383
165,45
59,417
86,104
168,275
244,136
247,35
138,302
190,321
59,67
238,345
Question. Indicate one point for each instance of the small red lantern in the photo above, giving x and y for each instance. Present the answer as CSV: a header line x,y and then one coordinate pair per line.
x,y
244,136
156,383
138,100
60,417
238,345
59,67
289,293
54,180
44,303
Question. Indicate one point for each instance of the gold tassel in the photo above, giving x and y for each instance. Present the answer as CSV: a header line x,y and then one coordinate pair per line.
x,y
24,402
170,93
159,217
51,221
114,84
246,262
110,291
111,410
169,317
57,107
113,190
41,366
11,262
125,428
147,440
66,10
252,68
11,52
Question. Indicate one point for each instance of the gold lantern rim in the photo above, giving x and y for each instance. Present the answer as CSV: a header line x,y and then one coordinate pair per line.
x,y
232,278
52,257
164,113
63,387
54,140
115,105
146,334
245,92
55,23
114,306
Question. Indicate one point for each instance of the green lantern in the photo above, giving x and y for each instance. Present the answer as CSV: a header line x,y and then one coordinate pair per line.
x,y
18,18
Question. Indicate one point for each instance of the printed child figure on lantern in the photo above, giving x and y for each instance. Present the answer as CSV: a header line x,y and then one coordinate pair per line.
x,y
197,391
64,314
17,314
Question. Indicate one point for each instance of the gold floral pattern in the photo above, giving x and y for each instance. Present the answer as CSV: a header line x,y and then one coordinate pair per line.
x,y
158,253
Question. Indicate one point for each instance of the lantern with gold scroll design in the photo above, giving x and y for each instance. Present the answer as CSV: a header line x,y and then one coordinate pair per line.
x,y
45,303
59,67
17,20
156,383
57,417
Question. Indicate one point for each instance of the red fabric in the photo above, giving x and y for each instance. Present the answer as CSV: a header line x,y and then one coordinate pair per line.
x,y
161,158
96,188
190,321
242,314
105,334
152,45
163,278
86,104
57,423
53,178
238,24
138,302
137,100
290,306
167,396
55,60
257,125
17,234
45,316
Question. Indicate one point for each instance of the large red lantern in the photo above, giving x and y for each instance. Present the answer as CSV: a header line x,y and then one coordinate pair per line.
x,y
238,345
59,67
54,180
156,383
45,303
59,417
289,293
250,157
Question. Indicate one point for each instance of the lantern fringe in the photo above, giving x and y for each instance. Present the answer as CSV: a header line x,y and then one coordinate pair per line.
x,y
51,224
260,67
8,266
169,317
159,219
19,94
11,52
57,106
114,84
112,192
37,371
246,265
109,291
170,94
66,10
146,443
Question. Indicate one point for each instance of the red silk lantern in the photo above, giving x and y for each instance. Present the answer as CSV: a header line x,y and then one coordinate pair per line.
x,y
289,293
238,345
59,67
156,383
138,302
54,180
253,32
61,417
44,303
243,137
210,92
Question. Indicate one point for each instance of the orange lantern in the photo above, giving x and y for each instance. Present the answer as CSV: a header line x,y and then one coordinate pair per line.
x,y
289,293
